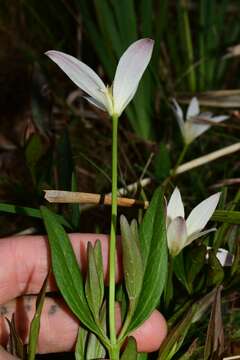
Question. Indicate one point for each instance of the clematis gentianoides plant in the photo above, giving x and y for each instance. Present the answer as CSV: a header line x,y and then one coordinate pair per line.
x,y
130,69
181,232
196,123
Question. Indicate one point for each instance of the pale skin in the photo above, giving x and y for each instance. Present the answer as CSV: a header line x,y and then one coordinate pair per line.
x,y
24,264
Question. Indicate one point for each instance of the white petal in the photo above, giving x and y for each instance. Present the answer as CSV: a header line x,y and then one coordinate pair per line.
x,y
219,118
225,257
179,115
193,130
176,236
129,71
95,102
197,235
201,214
193,108
81,74
175,206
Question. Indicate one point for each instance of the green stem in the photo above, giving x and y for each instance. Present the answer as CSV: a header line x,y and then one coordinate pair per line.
x,y
114,353
181,158
112,246
179,161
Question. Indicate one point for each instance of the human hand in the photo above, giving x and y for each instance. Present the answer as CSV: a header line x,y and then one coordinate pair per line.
x,y
24,264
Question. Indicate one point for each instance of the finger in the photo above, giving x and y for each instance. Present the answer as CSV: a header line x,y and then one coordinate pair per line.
x,y
4,355
25,262
150,335
59,328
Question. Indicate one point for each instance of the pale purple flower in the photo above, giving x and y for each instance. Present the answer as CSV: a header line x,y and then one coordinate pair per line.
x,y
194,126
129,72
181,232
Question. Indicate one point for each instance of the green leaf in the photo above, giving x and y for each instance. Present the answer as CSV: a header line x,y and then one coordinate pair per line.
x,y
191,350
162,163
153,241
226,216
16,344
33,153
142,356
179,270
94,287
126,21
132,260
80,349
130,351
95,349
214,345
236,262
168,289
66,270
215,274
35,323
195,260
146,9
27,211
176,336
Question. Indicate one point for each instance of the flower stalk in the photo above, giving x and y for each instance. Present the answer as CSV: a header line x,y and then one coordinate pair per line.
x,y
112,247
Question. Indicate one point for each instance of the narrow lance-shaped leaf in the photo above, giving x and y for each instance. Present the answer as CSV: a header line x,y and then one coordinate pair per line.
x,y
35,324
95,349
176,336
130,351
16,344
132,260
153,243
214,345
27,211
66,270
80,349
94,287
195,260
215,274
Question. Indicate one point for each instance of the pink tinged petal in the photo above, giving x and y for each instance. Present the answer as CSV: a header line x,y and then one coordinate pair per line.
x,y
219,118
197,235
179,115
129,71
201,214
193,108
175,206
176,235
81,74
95,102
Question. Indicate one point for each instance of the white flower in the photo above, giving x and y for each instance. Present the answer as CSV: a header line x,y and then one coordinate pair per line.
x,y
129,72
181,232
194,124
224,256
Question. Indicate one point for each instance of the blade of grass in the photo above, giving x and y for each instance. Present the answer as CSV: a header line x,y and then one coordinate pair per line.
x,y
35,323
26,211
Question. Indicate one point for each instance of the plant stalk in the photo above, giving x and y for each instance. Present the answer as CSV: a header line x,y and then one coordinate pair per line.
x,y
112,245
114,353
